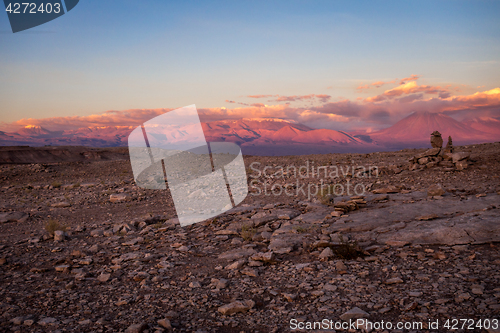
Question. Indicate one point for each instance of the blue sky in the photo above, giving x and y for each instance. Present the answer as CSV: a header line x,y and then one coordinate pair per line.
x,y
123,54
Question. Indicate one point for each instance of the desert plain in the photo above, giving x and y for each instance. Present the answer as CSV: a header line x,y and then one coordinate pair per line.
x,y
83,249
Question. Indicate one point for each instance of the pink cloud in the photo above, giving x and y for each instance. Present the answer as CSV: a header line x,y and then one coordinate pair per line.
x,y
412,87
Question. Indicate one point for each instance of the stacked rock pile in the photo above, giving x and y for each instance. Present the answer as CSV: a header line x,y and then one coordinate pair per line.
x,y
438,156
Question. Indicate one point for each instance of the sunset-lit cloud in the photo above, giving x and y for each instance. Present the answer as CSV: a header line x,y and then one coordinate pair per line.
x,y
374,112
412,87
373,85
132,117
412,77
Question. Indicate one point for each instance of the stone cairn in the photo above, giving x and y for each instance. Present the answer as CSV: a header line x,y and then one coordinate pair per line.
x,y
437,156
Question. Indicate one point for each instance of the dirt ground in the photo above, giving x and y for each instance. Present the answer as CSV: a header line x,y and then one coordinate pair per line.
x,y
128,262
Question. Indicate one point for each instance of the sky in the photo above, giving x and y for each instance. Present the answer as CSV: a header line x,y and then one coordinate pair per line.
x,y
346,65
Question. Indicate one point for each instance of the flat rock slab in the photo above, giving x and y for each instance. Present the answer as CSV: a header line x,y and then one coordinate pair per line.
x,y
315,216
13,217
458,221
288,237
237,254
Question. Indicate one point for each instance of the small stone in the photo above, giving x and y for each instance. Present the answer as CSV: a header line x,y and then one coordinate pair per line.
x,y
435,190
330,287
28,322
456,157
86,261
477,290
354,313
385,310
326,253
394,280
335,213
220,283
427,217
290,297
47,321
462,165
61,268
136,328
97,233
194,284
236,265
385,190
59,236
103,277
263,256
183,248
172,314
119,197
165,323
17,320
340,266
250,272
253,263
235,307
61,204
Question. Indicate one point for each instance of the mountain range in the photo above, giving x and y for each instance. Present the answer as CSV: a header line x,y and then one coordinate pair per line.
x,y
271,136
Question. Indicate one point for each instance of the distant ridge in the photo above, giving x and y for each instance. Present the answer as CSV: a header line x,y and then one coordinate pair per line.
x,y
274,136
418,126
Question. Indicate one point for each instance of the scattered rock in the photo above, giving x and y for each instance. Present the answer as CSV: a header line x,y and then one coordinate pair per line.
x,y
165,323
235,307
394,280
13,217
119,197
103,277
61,204
136,328
354,313
326,253
47,321
263,256
59,235
435,190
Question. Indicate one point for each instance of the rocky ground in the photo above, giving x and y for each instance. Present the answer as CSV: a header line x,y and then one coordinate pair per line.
x,y
85,250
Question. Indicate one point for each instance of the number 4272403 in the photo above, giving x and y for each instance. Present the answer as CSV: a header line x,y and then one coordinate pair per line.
x,y
32,8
